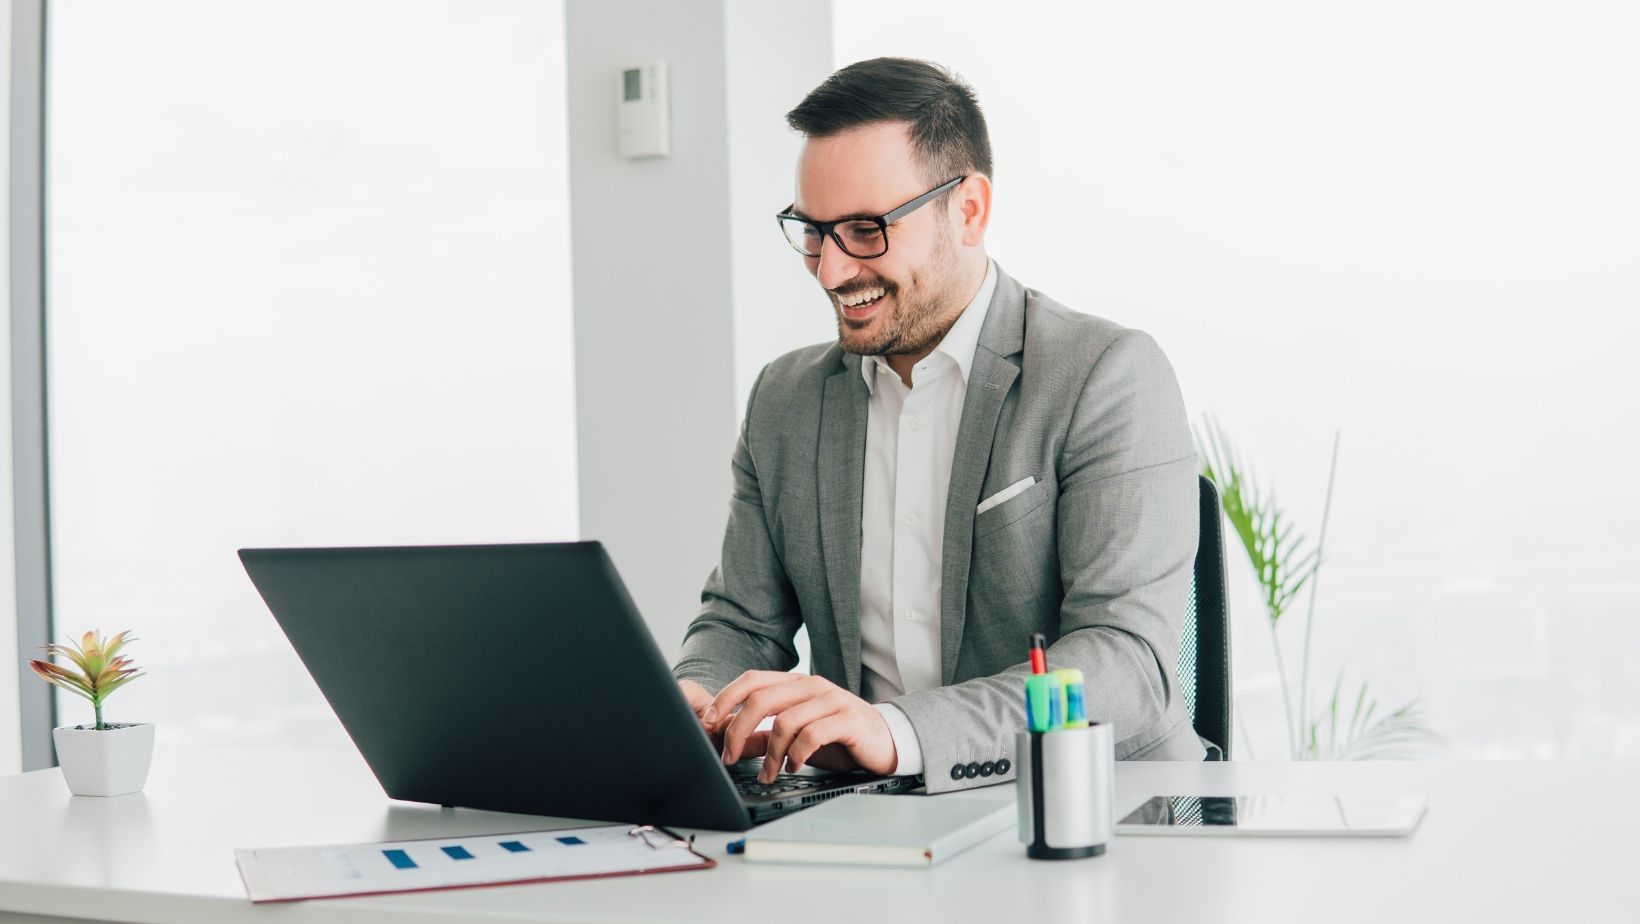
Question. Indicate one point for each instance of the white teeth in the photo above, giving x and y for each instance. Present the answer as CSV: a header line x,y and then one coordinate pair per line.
x,y
860,298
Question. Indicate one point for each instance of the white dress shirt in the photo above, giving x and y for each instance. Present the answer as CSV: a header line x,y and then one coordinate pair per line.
x,y
911,439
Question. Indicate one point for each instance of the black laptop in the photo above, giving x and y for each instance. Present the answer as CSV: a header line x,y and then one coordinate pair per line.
x,y
515,678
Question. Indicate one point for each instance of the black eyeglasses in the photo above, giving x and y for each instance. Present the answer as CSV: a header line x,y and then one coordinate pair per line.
x,y
863,237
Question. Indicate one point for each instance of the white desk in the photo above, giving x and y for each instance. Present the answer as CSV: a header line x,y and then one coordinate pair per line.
x,y
1560,851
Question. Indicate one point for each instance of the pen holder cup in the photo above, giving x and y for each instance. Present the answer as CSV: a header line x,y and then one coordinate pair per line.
x,y
1066,791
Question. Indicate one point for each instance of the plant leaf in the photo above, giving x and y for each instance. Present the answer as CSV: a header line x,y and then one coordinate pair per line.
x,y
72,654
59,677
1284,565
91,650
53,672
120,682
75,690
113,645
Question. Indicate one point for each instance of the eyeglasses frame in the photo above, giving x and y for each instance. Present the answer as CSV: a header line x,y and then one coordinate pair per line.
x,y
829,228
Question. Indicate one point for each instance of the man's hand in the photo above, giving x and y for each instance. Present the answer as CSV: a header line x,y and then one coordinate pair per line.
x,y
700,700
696,696
814,720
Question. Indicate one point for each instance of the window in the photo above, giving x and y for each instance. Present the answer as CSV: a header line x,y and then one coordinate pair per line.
x,y
307,284
1410,223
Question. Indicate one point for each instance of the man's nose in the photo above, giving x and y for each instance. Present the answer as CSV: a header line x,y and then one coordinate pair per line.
x,y
835,267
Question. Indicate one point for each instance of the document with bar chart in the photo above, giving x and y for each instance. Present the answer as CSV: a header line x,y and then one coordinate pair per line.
x,y
278,874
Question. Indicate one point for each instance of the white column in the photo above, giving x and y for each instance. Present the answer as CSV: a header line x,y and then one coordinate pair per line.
x,y
11,757
682,286
22,616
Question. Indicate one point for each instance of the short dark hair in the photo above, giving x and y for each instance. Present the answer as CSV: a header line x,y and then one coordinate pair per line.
x,y
948,134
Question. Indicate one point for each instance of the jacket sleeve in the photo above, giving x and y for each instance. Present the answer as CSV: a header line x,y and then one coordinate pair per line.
x,y
1127,531
748,611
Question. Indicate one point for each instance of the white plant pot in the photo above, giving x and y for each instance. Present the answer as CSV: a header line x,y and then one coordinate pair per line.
x,y
111,762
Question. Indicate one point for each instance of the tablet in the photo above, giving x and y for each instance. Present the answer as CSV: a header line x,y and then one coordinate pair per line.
x,y
1277,816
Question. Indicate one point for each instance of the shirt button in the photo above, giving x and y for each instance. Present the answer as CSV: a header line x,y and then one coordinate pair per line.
x,y
913,423
956,771
987,768
911,615
971,771
911,520
1003,767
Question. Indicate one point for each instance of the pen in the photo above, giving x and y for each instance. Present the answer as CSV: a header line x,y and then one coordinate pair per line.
x,y
736,847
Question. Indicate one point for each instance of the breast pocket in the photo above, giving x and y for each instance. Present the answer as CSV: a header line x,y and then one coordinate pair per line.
x,y
1013,509
1014,574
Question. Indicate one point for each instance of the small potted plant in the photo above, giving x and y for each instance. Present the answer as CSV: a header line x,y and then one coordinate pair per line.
x,y
105,759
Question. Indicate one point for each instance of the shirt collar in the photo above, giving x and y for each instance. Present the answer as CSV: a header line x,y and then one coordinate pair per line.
x,y
960,342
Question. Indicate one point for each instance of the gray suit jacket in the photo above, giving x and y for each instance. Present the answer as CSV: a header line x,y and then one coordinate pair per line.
x,y
1096,555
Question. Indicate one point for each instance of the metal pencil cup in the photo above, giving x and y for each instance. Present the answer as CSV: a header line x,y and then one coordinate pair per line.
x,y
1067,791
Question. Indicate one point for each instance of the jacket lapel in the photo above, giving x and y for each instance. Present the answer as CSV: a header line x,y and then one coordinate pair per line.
x,y
842,474
990,379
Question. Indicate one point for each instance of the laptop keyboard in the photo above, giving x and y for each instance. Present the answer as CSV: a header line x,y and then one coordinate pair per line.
x,y
784,783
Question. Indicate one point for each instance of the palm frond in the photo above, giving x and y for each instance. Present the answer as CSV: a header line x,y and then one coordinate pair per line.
x,y
1399,735
1284,564
1281,560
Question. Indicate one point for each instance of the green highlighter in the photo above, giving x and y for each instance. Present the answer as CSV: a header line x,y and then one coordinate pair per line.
x,y
1042,691
1044,702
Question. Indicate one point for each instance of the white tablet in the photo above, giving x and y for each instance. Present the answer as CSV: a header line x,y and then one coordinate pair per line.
x,y
1277,816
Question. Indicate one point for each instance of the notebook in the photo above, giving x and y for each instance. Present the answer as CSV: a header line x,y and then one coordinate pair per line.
x,y
877,830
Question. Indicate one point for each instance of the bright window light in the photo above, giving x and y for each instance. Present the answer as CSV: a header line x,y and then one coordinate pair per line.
x,y
307,285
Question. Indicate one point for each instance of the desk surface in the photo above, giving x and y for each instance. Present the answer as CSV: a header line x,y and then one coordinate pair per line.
x,y
1503,841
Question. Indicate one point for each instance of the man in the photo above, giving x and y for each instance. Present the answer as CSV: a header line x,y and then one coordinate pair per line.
x,y
970,462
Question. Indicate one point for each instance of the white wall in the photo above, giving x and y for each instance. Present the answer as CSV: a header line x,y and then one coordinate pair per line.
x,y
776,53
683,286
653,328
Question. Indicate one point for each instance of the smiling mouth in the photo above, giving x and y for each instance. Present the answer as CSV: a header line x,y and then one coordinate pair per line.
x,y
857,306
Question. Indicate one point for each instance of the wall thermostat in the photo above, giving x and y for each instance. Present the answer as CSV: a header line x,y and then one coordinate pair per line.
x,y
642,105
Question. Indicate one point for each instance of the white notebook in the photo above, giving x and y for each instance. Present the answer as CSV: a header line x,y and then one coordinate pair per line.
x,y
879,830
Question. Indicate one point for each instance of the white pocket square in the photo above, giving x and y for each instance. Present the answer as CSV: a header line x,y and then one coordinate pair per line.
x,y
1006,494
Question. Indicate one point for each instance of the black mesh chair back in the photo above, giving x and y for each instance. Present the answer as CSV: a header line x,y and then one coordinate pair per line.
x,y
1204,649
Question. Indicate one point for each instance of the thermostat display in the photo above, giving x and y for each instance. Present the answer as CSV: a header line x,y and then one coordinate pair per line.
x,y
642,111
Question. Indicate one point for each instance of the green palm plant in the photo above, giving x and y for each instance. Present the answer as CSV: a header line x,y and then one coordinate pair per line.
x,y
99,668
1284,565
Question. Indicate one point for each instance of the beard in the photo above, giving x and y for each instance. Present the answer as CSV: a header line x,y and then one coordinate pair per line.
x,y
916,324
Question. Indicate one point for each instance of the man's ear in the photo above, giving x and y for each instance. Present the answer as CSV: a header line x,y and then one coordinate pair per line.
x,y
973,202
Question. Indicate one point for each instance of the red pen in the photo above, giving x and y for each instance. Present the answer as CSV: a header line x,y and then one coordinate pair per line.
x,y
1039,654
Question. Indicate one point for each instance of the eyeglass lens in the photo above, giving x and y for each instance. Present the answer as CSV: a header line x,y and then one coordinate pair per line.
x,y
861,239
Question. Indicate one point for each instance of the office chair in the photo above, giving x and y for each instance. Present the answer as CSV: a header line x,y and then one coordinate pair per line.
x,y
1204,648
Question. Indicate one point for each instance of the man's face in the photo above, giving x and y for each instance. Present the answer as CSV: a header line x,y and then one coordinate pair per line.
x,y
900,302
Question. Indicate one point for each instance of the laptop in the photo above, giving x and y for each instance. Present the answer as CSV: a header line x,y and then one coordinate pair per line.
x,y
515,678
